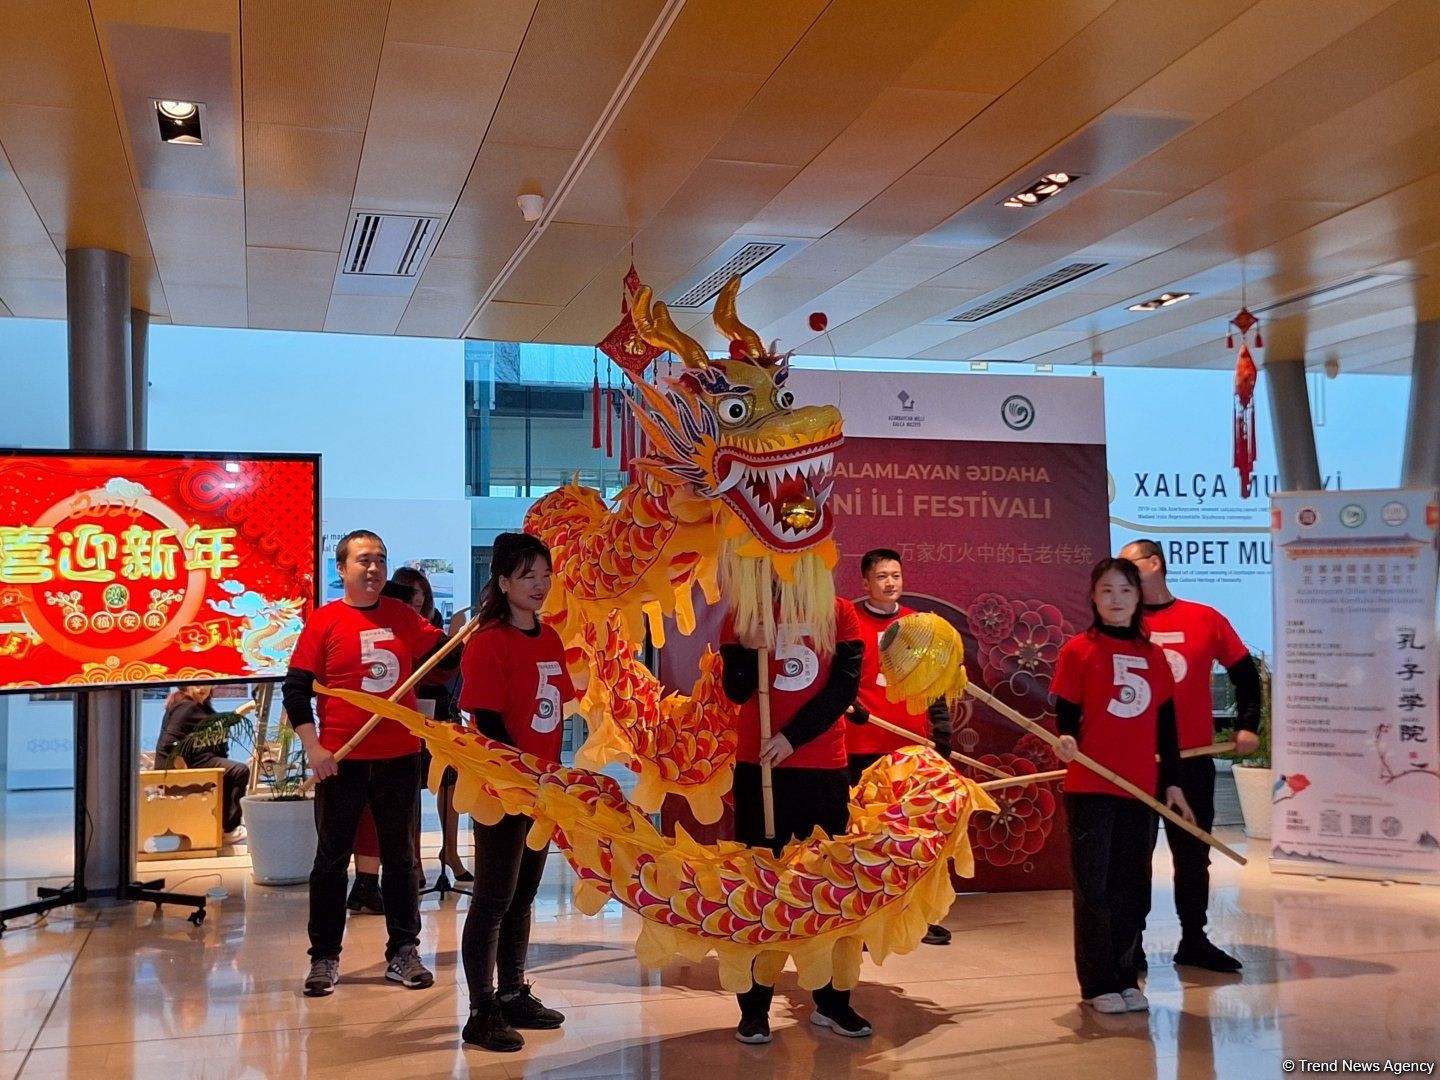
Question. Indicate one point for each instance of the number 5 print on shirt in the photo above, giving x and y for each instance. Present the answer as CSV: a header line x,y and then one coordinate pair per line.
x,y
547,698
382,667
1132,695
797,663
1179,667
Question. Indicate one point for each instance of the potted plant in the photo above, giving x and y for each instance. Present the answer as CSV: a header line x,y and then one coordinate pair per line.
x,y
1252,772
279,817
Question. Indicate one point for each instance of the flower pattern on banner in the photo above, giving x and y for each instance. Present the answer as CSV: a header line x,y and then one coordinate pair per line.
x,y
1038,752
991,618
1019,667
1018,832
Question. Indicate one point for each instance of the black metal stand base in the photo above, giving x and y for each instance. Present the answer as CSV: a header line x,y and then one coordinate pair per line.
x,y
443,885
136,892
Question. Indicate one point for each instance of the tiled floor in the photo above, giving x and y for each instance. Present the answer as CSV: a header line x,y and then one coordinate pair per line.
x,y
1334,969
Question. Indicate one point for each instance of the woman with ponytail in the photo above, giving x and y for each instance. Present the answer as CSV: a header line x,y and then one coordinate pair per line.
x,y
515,691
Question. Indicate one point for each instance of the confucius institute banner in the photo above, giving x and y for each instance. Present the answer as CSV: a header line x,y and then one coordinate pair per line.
x,y
1355,783
993,490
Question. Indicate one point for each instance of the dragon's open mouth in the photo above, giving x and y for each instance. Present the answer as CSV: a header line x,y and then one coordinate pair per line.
x,y
781,494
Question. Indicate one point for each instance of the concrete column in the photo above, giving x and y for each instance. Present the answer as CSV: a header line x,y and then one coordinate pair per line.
x,y
139,378
1299,465
97,300
1422,430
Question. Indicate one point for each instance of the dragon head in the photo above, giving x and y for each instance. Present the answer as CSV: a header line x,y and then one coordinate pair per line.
x,y
731,429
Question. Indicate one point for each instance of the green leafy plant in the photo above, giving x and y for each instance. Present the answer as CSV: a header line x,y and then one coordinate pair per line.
x,y
281,761
1260,759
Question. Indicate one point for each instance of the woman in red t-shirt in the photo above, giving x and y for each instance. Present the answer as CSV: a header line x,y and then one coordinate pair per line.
x,y
515,689
1114,696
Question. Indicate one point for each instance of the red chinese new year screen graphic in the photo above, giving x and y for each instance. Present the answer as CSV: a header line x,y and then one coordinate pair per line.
x,y
128,569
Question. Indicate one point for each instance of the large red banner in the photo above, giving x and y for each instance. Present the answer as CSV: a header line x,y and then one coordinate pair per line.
x,y
998,537
153,568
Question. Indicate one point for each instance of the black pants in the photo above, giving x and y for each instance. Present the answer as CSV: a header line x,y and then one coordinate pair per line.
x,y
391,788
236,783
497,926
1192,856
804,798
1111,838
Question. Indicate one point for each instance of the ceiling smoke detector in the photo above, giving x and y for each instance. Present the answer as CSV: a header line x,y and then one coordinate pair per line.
x,y
531,205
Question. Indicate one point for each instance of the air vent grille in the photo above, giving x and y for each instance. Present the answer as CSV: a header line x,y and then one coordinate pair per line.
x,y
1325,294
1029,291
742,261
389,245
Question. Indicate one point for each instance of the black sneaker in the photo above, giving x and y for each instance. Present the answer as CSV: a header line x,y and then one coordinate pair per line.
x,y
365,898
324,974
936,935
845,1022
753,1030
488,1029
524,1010
1203,953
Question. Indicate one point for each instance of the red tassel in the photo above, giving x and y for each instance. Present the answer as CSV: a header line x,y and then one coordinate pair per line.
x,y
595,414
1259,341
1229,340
624,440
609,423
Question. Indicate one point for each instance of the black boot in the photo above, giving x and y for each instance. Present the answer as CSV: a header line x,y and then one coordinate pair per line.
x,y
365,896
488,1029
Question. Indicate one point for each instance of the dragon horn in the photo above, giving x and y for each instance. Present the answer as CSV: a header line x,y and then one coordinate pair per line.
x,y
729,324
656,327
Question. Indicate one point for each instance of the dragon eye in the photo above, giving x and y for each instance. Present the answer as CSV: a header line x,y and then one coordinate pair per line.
x,y
734,410
784,399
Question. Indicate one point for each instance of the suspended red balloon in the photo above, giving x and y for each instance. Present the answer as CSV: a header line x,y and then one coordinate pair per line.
x,y
818,321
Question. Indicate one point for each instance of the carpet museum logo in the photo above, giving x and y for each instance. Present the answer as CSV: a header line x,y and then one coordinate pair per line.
x,y
1352,516
908,416
1018,412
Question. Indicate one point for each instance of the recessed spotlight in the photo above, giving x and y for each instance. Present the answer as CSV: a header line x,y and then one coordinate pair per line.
x,y
177,110
1048,186
1163,300
179,121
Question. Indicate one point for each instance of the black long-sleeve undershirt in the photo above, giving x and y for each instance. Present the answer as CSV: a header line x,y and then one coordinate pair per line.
x,y
740,678
1245,677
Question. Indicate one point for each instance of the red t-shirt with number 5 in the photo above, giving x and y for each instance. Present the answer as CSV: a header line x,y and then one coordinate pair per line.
x,y
1194,637
1119,684
522,678
373,649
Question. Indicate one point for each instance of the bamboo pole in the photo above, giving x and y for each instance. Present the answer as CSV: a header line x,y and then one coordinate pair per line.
x,y
1023,778
404,688
1206,751
918,740
1100,770
767,779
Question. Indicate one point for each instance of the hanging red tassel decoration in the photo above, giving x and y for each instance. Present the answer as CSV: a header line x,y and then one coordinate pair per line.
x,y
595,410
609,418
1245,375
624,438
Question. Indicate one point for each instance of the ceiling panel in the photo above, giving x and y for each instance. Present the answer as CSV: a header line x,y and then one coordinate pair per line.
x,y
1287,144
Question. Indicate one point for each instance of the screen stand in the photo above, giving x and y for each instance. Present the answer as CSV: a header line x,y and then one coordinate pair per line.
x,y
115,709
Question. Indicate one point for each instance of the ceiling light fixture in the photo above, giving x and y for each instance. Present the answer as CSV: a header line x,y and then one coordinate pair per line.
x,y
531,205
1049,185
1162,301
179,121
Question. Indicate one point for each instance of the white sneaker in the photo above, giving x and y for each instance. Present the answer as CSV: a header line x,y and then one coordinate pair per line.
x,y
1135,1000
1108,1003
235,836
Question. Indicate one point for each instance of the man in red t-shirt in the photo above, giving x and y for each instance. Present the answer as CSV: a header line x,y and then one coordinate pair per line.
x,y
1195,638
810,690
884,579
363,641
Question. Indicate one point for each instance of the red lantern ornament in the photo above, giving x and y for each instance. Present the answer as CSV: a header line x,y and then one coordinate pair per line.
x,y
819,321
1243,430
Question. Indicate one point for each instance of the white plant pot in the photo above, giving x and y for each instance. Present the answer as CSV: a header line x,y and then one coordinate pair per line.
x,y
1252,783
281,838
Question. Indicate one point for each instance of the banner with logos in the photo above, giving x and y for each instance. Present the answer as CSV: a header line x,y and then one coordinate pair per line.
x,y
133,569
1356,776
993,491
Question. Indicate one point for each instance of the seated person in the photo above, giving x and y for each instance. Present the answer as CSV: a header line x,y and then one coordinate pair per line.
x,y
185,709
